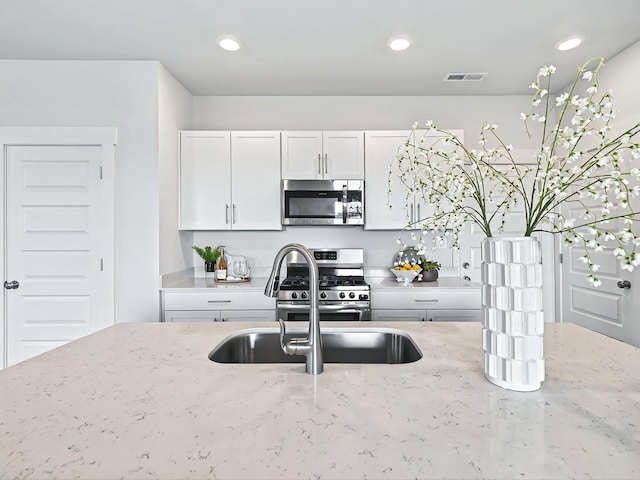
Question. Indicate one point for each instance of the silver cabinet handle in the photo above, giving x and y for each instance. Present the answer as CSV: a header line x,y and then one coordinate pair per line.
x,y
435,300
319,164
418,216
226,213
411,208
218,301
326,164
12,285
233,214
621,284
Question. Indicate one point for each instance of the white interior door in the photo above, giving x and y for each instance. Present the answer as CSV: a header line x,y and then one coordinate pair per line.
x,y
59,245
610,308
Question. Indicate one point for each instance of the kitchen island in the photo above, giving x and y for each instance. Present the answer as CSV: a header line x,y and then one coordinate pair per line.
x,y
144,401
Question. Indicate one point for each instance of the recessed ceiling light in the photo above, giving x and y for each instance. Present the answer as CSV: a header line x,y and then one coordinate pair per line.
x,y
399,43
569,43
228,42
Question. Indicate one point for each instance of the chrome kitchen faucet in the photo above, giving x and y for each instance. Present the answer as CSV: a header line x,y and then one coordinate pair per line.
x,y
310,347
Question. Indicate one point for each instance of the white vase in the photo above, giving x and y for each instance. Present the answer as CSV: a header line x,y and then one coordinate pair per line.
x,y
512,337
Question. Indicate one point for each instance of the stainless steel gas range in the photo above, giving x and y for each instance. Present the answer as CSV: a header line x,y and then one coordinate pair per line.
x,y
344,294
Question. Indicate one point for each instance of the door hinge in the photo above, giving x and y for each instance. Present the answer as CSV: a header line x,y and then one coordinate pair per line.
x,y
560,257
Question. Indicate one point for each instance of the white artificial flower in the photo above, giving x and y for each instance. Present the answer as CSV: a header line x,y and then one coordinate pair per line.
x,y
587,75
627,266
593,280
619,252
561,99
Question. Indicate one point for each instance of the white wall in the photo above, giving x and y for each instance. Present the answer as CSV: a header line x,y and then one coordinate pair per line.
x,y
111,94
620,74
363,113
174,114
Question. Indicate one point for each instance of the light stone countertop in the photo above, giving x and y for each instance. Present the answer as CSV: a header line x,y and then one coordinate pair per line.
x,y
142,401
258,283
206,284
390,283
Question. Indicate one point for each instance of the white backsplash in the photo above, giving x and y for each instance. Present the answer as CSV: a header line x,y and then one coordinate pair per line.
x,y
379,247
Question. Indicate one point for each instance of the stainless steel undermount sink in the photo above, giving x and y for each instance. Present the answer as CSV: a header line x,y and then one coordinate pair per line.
x,y
340,345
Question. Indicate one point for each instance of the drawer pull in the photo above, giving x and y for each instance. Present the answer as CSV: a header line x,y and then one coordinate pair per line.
x,y
435,300
218,301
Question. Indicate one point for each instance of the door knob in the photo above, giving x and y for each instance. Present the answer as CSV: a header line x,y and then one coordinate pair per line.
x,y
11,285
621,284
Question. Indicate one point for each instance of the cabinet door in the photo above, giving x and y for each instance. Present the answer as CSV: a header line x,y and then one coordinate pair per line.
x,y
248,315
205,188
302,155
398,315
423,210
381,148
343,155
453,315
191,315
255,181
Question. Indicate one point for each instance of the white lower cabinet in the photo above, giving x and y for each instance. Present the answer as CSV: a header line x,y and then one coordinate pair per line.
x,y
218,307
414,305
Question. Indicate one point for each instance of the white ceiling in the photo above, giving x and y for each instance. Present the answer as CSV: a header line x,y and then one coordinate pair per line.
x,y
326,47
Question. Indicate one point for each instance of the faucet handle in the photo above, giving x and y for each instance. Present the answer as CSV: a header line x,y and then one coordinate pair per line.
x,y
283,331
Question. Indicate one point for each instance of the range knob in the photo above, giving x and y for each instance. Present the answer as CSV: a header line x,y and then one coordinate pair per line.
x,y
341,295
352,295
364,296
303,295
323,295
294,295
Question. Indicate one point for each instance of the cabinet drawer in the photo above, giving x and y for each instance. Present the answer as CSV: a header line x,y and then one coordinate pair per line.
x,y
190,316
453,315
398,315
218,301
411,299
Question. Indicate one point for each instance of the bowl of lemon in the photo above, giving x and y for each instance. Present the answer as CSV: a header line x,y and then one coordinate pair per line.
x,y
406,272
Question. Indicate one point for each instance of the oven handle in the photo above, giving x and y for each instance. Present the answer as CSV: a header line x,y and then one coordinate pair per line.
x,y
344,204
326,308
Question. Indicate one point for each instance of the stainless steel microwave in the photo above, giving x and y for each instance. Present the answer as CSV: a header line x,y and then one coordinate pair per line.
x,y
323,202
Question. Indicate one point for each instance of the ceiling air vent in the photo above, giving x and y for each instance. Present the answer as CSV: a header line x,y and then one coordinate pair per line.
x,y
464,77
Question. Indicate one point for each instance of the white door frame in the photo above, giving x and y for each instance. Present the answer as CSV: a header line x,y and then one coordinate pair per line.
x,y
105,137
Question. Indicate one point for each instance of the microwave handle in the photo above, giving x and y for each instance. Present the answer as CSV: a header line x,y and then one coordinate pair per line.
x,y
344,204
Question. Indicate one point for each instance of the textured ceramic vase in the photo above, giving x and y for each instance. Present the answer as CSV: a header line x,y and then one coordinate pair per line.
x,y
512,312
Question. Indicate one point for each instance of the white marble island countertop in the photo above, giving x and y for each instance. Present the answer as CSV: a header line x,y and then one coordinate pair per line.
x,y
143,401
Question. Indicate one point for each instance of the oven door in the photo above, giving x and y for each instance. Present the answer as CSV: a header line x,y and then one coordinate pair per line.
x,y
299,312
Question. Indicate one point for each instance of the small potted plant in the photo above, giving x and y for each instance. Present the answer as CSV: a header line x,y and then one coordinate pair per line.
x,y
430,270
209,255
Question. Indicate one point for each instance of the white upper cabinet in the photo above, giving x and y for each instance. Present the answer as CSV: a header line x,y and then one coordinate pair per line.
x,y
220,175
205,173
382,147
383,188
255,181
323,155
